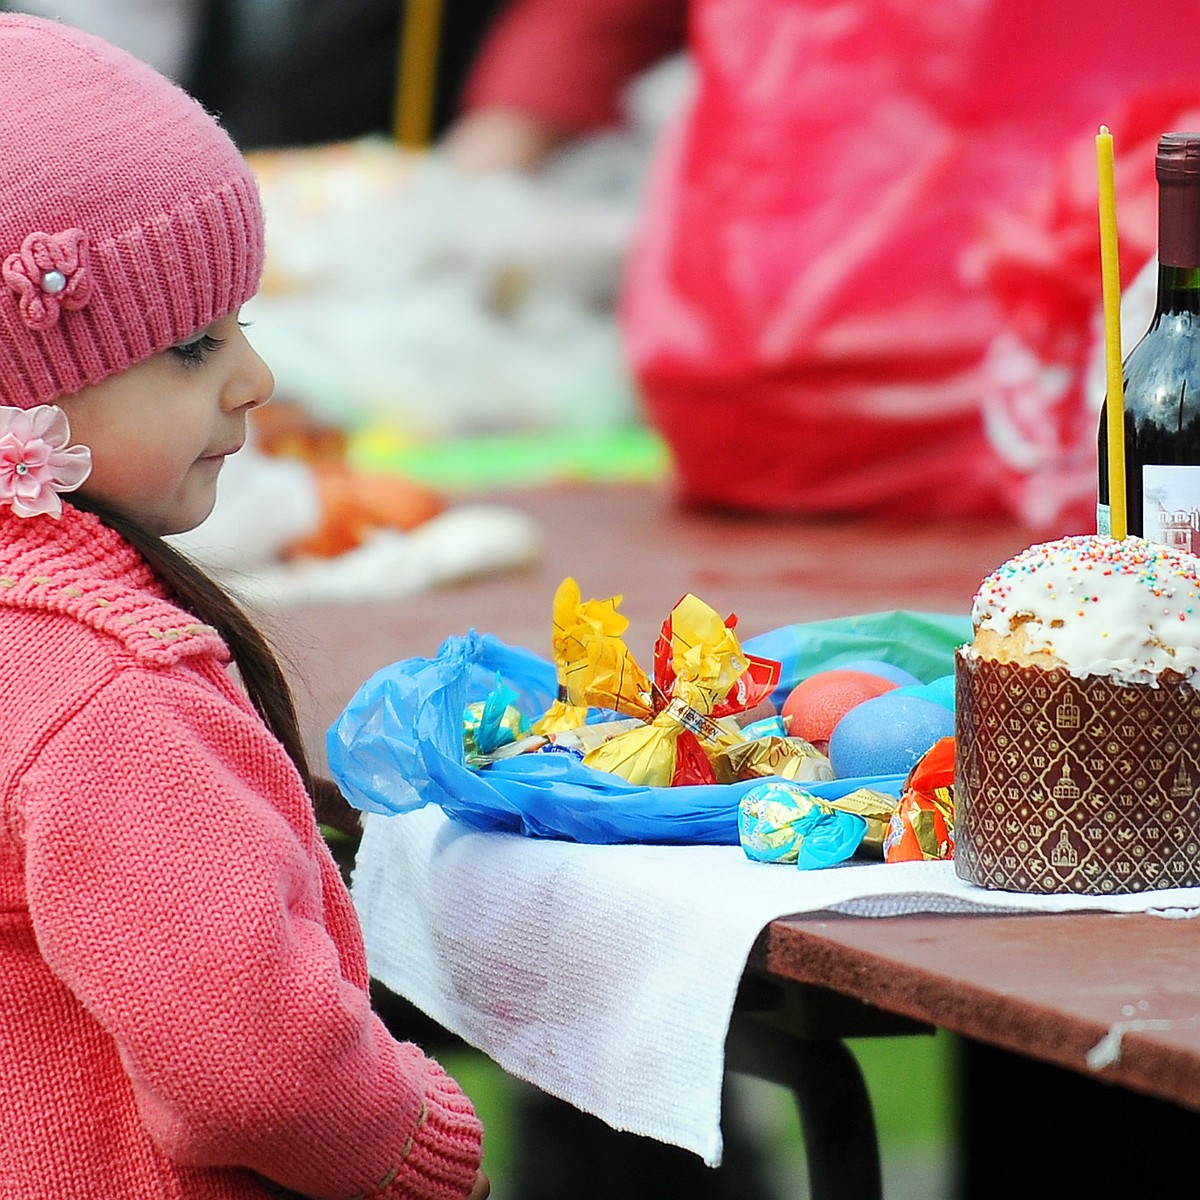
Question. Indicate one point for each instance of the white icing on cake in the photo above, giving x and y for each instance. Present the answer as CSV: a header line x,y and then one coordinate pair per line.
x,y
1128,609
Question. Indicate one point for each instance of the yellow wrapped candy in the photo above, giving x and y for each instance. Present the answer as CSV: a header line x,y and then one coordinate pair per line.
x,y
784,757
705,661
594,665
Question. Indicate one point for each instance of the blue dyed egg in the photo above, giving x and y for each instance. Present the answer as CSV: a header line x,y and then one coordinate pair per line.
x,y
887,734
885,670
940,691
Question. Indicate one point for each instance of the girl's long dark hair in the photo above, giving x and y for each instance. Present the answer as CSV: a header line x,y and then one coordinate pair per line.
x,y
204,598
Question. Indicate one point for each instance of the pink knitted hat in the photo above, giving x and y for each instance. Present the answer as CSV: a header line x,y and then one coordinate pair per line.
x,y
128,219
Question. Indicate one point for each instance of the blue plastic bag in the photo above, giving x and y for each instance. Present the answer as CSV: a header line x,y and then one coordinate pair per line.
x,y
922,643
398,745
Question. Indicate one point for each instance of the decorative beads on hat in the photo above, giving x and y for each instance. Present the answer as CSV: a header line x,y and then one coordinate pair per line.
x,y
49,273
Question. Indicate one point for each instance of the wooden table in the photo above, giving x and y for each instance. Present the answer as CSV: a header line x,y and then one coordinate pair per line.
x,y
1052,987
1111,999
1049,988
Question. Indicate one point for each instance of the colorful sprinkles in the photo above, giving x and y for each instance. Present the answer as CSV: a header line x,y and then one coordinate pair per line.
x,y
1100,605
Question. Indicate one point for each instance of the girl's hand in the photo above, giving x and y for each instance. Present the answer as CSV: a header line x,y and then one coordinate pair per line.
x,y
332,809
482,1188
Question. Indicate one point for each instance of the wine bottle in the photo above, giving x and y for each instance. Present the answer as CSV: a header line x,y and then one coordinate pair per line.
x,y
1162,372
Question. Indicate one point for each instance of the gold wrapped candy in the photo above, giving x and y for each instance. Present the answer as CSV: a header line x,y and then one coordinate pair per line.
x,y
698,664
594,665
922,827
876,808
786,757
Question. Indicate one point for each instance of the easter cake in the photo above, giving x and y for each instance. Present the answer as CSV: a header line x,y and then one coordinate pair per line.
x,y
1078,721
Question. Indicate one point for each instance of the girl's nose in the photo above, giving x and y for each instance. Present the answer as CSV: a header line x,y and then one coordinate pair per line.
x,y
251,384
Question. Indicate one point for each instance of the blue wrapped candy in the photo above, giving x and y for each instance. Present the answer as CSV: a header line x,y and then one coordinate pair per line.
x,y
779,821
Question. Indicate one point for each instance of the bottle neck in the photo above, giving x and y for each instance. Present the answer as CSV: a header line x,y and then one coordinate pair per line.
x,y
1178,290
1179,220
1178,243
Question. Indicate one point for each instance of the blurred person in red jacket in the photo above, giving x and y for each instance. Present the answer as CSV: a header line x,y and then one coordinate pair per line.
x,y
548,72
867,275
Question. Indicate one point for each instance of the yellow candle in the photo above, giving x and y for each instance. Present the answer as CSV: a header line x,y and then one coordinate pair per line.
x,y
417,73
1110,274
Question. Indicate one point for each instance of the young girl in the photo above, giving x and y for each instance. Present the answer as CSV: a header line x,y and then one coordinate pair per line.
x,y
183,990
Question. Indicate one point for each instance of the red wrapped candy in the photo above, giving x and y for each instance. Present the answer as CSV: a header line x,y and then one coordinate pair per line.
x,y
922,827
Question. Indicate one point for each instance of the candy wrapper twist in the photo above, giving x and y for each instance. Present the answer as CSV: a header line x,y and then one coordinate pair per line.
x,y
594,666
783,821
922,827
701,674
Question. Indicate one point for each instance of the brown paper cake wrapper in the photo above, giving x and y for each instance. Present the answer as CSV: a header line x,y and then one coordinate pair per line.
x,y
1074,785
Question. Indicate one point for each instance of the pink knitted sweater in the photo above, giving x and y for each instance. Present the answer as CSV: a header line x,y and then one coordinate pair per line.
x,y
183,989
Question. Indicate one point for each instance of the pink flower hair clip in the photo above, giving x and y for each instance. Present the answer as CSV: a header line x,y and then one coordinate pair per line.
x,y
35,461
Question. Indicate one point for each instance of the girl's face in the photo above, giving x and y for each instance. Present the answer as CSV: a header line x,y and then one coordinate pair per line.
x,y
160,431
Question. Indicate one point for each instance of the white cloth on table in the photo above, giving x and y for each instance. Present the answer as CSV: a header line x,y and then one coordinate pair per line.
x,y
605,975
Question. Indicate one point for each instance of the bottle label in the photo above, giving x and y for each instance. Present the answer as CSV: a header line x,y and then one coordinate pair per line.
x,y
1171,506
1104,520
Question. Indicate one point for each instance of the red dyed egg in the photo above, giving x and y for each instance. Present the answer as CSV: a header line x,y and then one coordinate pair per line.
x,y
815,705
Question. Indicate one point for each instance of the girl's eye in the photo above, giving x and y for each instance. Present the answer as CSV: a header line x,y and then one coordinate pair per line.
x,y
194,352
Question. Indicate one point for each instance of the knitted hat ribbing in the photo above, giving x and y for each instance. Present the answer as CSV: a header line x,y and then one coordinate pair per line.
x,y
128,219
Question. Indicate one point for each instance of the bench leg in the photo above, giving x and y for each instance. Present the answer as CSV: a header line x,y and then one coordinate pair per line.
x,y
838,1122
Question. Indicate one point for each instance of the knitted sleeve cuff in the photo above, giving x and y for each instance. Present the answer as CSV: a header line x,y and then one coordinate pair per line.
x,y
442,1155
